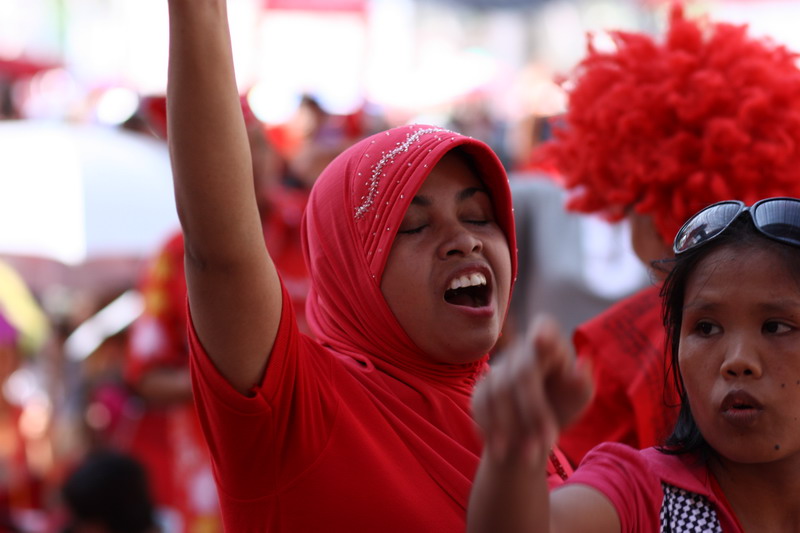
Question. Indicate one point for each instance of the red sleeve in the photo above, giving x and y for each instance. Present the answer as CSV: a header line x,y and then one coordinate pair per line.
x,y
622,474
158,337
261,442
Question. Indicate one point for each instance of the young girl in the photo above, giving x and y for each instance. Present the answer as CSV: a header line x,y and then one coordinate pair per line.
x,y
409,241
732,311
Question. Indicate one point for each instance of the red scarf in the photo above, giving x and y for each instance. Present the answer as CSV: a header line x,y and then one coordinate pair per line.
x,y
346,249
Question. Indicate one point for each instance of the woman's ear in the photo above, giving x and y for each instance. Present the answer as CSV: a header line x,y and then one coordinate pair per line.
x,y
646,241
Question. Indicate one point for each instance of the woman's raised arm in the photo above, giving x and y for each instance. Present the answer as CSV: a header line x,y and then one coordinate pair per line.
x,y
234,291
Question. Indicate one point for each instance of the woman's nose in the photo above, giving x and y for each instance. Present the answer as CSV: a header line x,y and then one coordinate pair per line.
x,y
459,240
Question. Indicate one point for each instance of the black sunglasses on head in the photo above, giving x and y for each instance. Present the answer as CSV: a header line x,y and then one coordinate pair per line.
x,y
777,218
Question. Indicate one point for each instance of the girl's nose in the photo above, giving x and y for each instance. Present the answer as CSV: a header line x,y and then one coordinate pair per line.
x,y
741,360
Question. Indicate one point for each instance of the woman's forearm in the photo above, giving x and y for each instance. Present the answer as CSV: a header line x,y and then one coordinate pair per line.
x,y
510,496
206,133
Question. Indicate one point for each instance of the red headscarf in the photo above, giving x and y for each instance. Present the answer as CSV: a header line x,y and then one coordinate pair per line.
x,y
350,223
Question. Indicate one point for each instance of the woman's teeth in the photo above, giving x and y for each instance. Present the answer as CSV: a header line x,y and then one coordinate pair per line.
x,y
473,280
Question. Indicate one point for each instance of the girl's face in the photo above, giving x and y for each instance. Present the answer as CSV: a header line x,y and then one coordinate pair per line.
x,y
448,276
739,354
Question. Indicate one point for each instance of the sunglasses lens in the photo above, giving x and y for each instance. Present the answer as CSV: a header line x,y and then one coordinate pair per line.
x,y
779,218
706,225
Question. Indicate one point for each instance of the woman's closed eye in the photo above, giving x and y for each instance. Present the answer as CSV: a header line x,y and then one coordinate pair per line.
x,y
412,230
478,221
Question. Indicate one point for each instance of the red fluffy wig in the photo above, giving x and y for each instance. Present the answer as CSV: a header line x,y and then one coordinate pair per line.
x,y
666,129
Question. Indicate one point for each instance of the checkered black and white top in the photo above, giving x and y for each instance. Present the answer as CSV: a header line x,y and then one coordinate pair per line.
x,y
687,512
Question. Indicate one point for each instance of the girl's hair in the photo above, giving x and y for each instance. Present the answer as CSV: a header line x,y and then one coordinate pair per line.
x,y
742,233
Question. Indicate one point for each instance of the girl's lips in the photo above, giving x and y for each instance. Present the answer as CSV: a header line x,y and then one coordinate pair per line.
x,y
741,409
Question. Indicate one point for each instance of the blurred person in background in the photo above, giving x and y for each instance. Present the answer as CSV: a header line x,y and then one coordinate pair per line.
x,y
523,139
572,265
653,133
312,137
24,446
15,75
169,440
472,115
16,482
108,492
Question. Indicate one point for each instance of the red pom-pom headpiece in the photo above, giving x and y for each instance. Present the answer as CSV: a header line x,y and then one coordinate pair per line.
x,y
666,129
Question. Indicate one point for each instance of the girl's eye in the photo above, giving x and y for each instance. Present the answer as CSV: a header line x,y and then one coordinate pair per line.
x,y
773,326
707,328
478,222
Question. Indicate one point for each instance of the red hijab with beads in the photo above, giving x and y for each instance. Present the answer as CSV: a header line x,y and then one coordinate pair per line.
x,y
350,223
346,249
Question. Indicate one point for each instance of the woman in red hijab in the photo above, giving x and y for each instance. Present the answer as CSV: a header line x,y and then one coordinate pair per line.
x,y
409,240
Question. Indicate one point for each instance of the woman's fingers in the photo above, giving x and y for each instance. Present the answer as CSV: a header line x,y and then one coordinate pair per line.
x,y
494,413
518,405
568,383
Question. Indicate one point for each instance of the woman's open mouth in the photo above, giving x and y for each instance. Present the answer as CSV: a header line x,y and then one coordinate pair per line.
x,y
469,290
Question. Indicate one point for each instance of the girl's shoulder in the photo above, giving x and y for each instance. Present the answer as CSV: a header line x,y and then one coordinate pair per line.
x,y
687,471
648,487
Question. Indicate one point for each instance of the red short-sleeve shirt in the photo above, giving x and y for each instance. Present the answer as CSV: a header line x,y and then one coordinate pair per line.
x,y
325,444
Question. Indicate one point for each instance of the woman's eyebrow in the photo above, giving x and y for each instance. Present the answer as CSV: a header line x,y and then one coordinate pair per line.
x,y
465,194
470,192
781,305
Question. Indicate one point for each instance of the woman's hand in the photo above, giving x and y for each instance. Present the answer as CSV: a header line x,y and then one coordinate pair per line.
x,y
537,389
